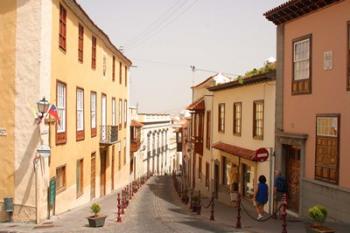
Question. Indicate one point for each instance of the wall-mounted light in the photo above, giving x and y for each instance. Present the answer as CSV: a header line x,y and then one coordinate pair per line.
x,y
43,106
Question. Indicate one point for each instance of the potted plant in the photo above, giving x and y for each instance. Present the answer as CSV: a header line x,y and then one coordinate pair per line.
x,y
318,214
96,220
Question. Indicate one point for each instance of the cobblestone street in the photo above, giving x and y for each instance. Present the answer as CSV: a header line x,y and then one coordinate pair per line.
x,y
154,208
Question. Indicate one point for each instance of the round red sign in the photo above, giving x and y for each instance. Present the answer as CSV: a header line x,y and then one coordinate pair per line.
x,y
261,155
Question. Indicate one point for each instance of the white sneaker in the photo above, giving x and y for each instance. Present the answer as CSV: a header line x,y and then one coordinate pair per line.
x,y
259,217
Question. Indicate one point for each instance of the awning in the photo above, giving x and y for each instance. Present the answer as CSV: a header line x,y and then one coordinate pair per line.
x,y
198,105
136,124
236,150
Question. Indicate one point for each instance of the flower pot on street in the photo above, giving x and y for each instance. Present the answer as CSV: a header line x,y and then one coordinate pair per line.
x,y
98,221
318,214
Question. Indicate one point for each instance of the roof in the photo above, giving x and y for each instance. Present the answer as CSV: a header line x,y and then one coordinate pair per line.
x,y
201,83
136,124
197,105
295,8
80,12
235,150
270,76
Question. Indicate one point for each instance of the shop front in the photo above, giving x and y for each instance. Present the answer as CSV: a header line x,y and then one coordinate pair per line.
x,y
240,170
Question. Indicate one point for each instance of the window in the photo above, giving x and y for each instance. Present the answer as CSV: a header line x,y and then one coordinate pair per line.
x,y
302,66
93,117
126,75
207,174
327,148
125,112
61,128
63,28
114,115
207,141
93,54
258,119
80,114
60,179
237,118
120,114
199,167
120,72
221,126
113,69
81,43
80,177
348,76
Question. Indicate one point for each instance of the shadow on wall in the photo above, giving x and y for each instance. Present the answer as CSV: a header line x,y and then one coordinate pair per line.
x,y
26,165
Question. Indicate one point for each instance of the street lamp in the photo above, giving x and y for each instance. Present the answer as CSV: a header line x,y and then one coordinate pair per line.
x,y
43,106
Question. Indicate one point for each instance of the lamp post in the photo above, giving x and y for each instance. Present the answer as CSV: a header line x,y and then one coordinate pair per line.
x,y
43,106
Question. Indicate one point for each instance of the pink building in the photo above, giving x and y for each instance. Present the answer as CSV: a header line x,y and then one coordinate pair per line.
x,y
313,103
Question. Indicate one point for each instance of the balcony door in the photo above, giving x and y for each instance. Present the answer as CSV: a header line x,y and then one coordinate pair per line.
x,y
104,118
103,159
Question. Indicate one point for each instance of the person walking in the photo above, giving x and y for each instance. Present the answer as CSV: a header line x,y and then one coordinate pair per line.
x,y
279,189
261,196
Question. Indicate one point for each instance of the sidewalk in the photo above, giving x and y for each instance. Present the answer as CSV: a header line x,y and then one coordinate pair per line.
x,y
227,215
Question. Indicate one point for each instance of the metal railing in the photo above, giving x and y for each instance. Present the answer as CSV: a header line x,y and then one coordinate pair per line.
x,y
108,134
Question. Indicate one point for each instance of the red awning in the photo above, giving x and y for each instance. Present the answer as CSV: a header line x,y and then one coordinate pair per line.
x,y
235,150
136,124
197,105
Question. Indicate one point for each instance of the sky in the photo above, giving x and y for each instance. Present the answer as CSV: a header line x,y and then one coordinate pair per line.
x,y
164,38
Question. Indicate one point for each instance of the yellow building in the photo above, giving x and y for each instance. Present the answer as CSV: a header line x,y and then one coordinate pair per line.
x,y
243,136
61,54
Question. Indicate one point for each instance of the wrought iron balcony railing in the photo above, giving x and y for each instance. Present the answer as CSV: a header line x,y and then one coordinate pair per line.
x,y
108,134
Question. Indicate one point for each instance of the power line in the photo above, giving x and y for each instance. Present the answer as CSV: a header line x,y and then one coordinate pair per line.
x,y
164,25
157,22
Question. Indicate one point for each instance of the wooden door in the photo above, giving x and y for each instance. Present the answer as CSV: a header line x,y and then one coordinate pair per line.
x,y
93,177
292,156
113,167
216,180
103,173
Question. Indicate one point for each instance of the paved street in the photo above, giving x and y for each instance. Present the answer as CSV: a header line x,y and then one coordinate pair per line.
x,y
155,208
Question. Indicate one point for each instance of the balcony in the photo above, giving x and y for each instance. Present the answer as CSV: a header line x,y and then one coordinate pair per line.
x,y
135,144
108,134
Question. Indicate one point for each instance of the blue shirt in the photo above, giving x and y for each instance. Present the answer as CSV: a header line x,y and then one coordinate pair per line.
x,y
262,194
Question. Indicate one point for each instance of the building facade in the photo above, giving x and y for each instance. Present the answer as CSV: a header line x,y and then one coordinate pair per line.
x,y
243,136
59,53
312,96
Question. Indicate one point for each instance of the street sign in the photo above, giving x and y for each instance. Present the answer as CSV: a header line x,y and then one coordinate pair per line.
x,y
261,155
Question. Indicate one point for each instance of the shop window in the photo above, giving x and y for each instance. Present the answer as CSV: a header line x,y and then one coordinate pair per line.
x,y
327,148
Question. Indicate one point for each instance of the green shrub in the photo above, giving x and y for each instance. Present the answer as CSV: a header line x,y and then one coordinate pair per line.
x,y
318,213
95,208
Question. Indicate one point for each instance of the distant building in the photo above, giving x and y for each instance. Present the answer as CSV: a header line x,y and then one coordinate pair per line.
x,y
312,104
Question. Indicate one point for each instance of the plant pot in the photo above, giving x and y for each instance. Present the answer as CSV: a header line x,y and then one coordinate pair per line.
x,y
98,221
318,229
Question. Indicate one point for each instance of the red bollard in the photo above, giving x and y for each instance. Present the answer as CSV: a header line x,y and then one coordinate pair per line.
x,y
238,222
119,219
284,213
122,204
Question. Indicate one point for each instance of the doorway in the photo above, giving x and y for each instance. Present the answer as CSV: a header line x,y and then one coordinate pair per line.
x,y
216,180
292,160
93,176
103,172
